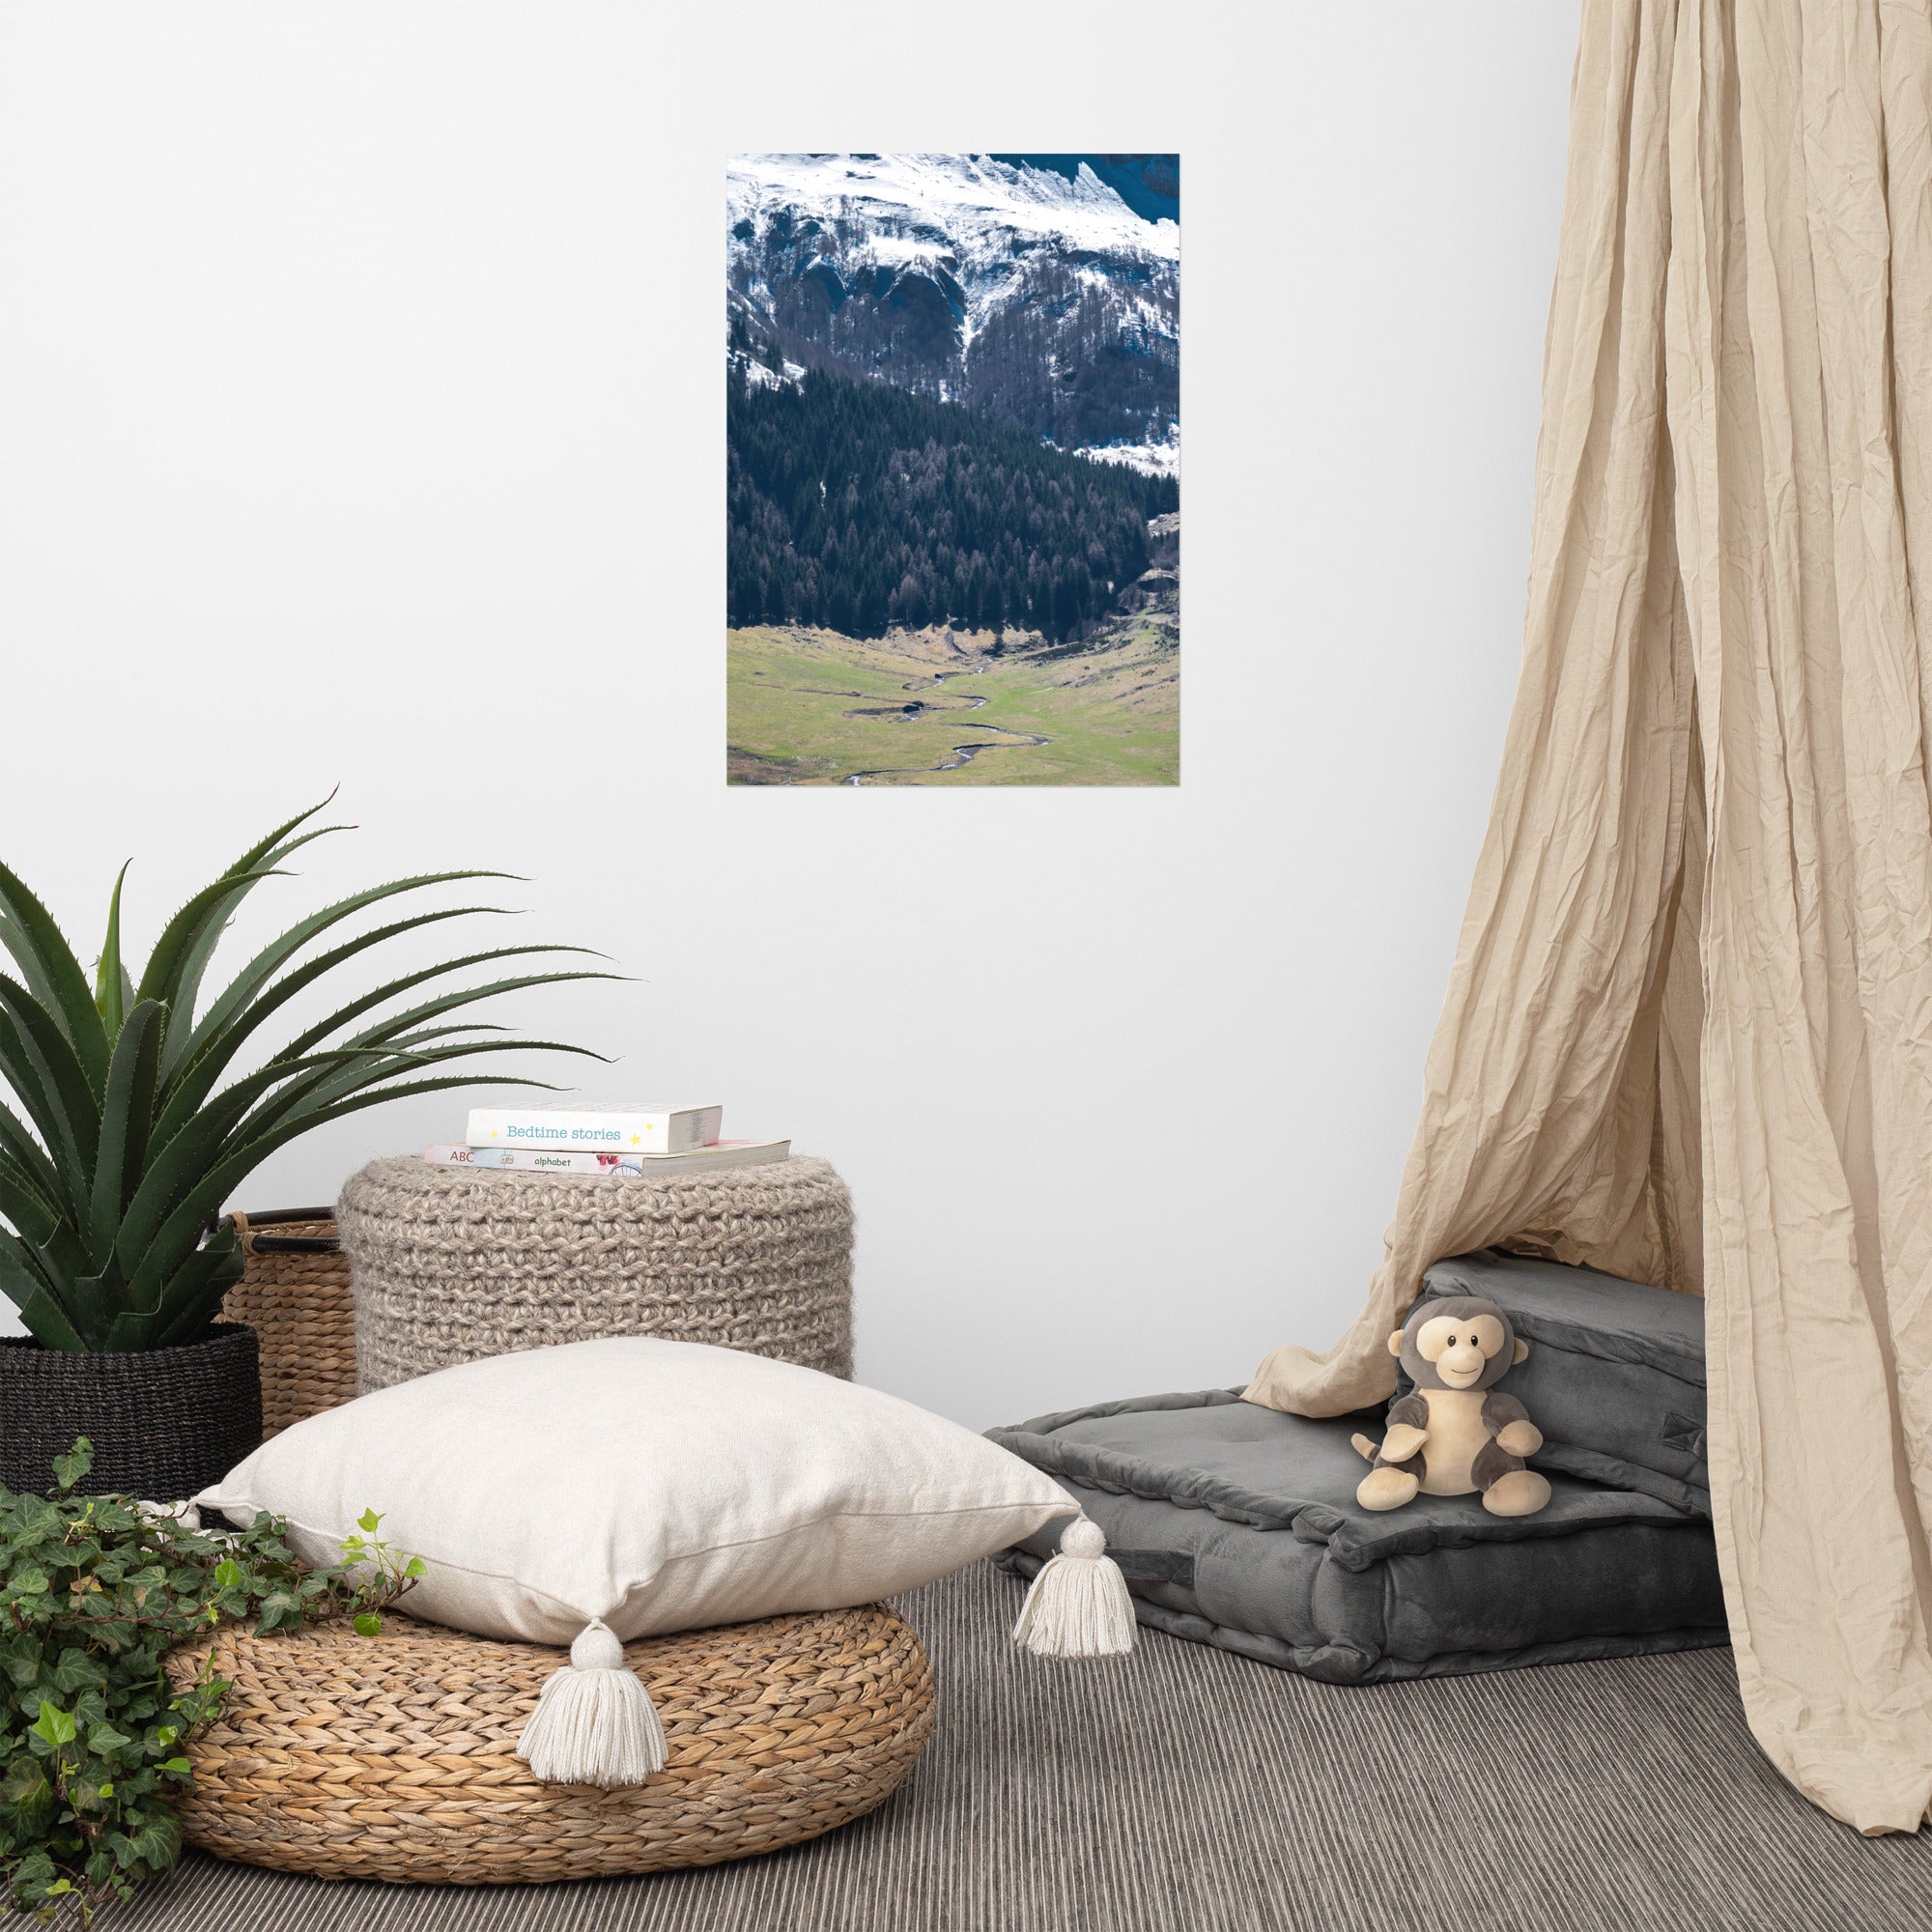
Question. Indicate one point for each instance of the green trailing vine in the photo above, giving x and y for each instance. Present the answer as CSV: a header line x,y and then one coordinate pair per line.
x,y
94,1591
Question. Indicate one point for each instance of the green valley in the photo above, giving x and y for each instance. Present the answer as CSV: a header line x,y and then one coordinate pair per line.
x,y
813,707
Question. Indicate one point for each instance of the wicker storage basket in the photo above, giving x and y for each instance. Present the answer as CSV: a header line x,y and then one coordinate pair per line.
x,y
394,1756
296,1297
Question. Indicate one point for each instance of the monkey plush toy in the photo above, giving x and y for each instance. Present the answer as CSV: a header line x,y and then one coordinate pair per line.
x,y
1455,1433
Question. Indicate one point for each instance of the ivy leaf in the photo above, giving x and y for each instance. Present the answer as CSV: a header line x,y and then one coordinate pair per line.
x,y
69,1468
280,1600
34,1876
155,1845
74,1670
368,1624
21,1661
415,1567
85,1795
53,1725
369,1521
104,1739
25,1783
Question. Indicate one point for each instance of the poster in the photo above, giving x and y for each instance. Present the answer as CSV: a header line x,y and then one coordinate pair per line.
x,y
952,413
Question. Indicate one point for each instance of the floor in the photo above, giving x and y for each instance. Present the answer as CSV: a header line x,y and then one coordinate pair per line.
x,y
1184,1790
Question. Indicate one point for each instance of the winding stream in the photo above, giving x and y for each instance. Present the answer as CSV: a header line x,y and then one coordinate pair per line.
x,y
960,755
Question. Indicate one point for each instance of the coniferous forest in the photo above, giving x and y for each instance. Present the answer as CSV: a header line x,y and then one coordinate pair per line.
x,y
861,507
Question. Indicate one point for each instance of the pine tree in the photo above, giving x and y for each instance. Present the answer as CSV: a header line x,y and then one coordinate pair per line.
x,y
861,506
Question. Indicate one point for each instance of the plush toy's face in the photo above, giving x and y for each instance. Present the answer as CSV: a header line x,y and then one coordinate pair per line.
x,y
1458,1341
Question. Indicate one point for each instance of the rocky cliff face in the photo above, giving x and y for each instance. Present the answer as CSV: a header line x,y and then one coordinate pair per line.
x,y
1027,286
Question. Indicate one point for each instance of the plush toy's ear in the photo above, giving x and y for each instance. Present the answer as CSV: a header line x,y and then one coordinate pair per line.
x,y
1522,1353
1395,1343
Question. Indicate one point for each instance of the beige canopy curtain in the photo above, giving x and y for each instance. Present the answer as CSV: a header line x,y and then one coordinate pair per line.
x,y
1688,1031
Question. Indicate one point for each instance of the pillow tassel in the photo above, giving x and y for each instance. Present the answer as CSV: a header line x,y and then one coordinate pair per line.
x,y
594,1722
1078,1605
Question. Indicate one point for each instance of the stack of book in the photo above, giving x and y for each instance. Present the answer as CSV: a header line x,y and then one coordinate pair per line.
x,y
601,1140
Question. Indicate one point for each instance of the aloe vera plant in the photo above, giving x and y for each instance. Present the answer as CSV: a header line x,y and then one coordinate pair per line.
x,y
124,1141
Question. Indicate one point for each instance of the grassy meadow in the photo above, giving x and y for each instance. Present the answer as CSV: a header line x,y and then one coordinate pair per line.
x,y
812,707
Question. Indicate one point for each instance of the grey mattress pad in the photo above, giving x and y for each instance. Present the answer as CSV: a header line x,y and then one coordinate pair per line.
x,y
1237,1525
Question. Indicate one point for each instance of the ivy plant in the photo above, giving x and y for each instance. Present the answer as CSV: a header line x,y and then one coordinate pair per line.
x,y
94,1591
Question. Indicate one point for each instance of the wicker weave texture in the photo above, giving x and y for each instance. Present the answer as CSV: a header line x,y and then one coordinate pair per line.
x,y
163,1422
303,1310
394,1756
455,1263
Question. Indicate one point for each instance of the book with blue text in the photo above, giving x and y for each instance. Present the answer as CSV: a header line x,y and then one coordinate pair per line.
x,y
617,1129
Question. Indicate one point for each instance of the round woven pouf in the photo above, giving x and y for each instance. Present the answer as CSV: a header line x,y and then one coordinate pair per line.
x,y
394,1756
453,1263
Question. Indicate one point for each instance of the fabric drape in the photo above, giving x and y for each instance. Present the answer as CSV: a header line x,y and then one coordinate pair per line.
x,y
1689,1031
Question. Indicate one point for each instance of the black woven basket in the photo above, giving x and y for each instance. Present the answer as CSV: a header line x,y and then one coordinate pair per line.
x,y
164,1423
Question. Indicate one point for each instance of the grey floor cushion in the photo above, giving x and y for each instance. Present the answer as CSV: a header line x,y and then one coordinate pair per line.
x,y
1615,1374
1237,1526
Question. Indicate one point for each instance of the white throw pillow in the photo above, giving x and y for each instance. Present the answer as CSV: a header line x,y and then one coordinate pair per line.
x,y
646,1485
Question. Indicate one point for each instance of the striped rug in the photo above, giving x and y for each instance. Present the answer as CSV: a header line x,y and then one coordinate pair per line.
x,y
1188,1791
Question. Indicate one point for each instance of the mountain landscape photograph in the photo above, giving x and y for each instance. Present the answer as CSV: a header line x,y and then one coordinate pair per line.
x,y
952,418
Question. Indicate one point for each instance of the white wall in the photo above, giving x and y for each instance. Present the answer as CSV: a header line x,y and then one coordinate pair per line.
x,y
360,421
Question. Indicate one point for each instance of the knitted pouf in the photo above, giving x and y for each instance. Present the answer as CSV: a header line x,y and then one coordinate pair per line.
x,y
453,1263
394,1756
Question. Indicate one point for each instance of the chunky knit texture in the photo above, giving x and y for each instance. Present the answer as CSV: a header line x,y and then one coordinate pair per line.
x,y
454,1264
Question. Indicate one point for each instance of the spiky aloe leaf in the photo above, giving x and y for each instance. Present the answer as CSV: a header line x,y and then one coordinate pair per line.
x,y
387,1031
28,1286
18,1147
443,1003
45,1320
178,1236
127,1113
56,1250
190,1298
212,1048
264,857
18,1070
96,1302
110,976
161,979
42,1260
33,1217
34,1269
321,1090
271,959
48,964
192,1295
198,1145
41,1064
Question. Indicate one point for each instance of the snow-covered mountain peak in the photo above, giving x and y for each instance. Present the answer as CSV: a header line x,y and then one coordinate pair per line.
x,y
1032,287
974,203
